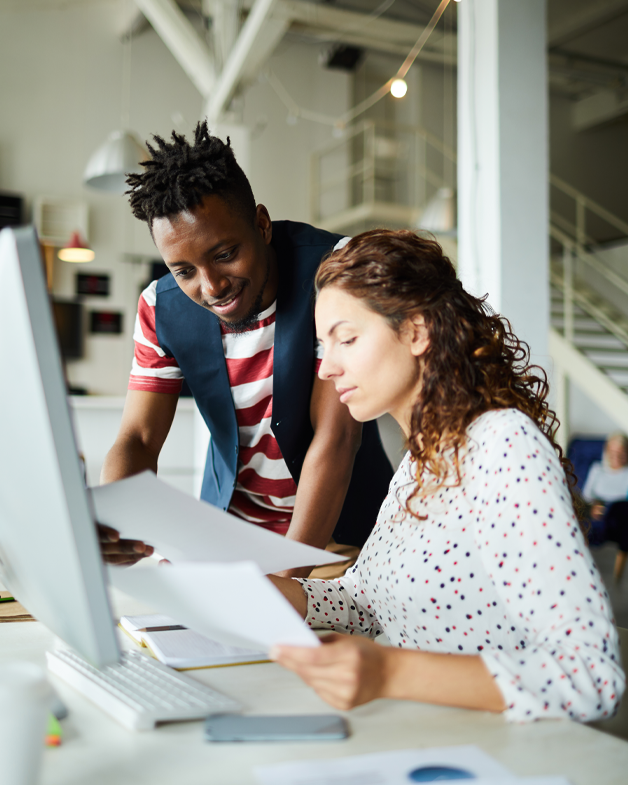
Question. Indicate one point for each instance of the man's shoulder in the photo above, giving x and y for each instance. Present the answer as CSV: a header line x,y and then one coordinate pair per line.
x,y
166,284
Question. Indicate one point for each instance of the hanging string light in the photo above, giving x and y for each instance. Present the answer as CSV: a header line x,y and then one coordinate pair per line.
x,y
341,122
399,88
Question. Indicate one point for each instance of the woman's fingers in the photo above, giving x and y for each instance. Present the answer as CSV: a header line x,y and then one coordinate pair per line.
x,y
298,656
345,671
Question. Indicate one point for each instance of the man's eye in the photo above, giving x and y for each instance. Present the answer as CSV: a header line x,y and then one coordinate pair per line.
x,y
182,273
225,256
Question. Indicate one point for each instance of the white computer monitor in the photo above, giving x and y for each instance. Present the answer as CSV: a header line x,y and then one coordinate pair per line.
x,y
49,554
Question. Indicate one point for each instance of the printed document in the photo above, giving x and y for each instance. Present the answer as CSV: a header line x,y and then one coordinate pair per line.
x,y
184,529
234,604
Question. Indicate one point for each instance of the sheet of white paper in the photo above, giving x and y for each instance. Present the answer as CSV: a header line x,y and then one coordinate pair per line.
x,y
234,604
385,768
184,529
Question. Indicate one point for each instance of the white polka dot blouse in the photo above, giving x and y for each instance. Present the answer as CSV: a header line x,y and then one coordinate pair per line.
x,y
498,567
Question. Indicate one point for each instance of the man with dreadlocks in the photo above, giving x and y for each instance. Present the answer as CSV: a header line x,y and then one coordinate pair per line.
x,y
234,319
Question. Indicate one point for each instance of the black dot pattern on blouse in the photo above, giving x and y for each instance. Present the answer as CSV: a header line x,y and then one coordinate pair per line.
x,y
499,568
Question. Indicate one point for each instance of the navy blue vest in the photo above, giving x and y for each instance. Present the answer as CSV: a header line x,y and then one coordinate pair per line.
x,y
191,334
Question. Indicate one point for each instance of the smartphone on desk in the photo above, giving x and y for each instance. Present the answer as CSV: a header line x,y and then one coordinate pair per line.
x,y
310,727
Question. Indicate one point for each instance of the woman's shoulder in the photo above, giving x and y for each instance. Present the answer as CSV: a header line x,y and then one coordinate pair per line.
x,y
509,428
497,421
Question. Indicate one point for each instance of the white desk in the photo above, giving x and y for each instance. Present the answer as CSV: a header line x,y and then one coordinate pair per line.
x,y
98,751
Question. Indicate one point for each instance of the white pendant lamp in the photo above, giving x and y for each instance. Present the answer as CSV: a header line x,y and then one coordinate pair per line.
x,y
109,165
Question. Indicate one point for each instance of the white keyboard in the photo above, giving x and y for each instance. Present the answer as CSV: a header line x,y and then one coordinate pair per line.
x,y
138,691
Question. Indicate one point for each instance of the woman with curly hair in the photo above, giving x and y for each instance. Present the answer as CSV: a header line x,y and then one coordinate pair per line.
x,y
477,571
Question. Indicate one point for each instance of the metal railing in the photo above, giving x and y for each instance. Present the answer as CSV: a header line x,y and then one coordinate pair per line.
x,y
380,163
583,205
575,244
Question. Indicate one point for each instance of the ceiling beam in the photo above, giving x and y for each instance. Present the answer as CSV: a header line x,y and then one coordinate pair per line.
x,y
274,30
377,45
599,108
225,26
131,21
581,22
250,41
328,24
187,47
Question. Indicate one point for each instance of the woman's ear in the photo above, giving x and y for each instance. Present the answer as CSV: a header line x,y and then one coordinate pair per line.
x,y
419,338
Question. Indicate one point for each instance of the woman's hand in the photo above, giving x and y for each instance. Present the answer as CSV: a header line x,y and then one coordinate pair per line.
x,y
597,511
121,552
345,671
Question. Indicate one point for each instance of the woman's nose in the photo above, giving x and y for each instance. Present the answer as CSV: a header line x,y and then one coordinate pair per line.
x,y
328,369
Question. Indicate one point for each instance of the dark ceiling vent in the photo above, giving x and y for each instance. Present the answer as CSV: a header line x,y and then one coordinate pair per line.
x,y
341,56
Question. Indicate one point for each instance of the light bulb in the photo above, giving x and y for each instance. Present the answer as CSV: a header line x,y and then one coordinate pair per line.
x,y
399,88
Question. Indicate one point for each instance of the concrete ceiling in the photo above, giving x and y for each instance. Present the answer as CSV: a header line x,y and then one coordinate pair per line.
x,y
587,39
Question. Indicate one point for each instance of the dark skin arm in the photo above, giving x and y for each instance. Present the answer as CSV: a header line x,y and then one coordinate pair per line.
x,y
146,421
326,471
324,479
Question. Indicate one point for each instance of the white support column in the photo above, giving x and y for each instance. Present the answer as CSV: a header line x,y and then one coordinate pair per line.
x,y
503,162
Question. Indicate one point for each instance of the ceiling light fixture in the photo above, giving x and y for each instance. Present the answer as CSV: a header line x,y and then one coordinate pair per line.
x,y
76,250
109,165
123,152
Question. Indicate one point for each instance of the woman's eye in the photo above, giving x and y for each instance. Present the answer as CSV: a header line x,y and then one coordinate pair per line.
x,y
348,343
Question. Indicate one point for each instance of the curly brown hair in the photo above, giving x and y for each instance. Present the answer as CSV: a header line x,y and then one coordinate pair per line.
x,y
474,362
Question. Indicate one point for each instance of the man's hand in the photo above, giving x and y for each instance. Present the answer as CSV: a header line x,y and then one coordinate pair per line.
x,y
345,671
117,551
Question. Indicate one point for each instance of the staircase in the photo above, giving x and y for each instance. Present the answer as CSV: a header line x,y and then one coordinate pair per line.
x,y
597,330
589,313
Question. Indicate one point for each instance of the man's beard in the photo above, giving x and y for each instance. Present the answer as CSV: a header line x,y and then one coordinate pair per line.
x,y
252,317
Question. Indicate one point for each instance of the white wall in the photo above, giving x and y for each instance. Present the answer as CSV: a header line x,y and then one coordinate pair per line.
x,y
280,153
60,82
61,88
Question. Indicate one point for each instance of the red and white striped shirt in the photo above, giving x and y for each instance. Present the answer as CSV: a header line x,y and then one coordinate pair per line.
x,y
265,491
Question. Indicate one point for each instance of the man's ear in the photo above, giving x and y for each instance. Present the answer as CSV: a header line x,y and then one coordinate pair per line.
x,y
418,334
263,223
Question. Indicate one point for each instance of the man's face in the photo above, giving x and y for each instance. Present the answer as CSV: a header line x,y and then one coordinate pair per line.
x,y
220,259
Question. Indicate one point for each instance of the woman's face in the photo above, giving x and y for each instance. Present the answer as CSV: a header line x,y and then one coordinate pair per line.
x,y
616,454
375,370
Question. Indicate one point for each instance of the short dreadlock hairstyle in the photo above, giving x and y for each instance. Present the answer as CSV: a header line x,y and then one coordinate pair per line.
x,y
180,175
